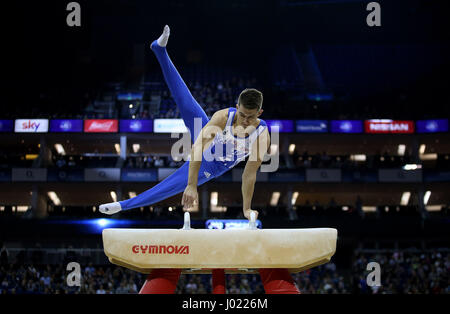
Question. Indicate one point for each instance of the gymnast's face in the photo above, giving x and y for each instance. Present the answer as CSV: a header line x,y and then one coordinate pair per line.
x,y
246,117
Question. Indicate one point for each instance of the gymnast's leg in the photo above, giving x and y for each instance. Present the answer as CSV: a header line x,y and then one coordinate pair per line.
x,y
188,106
189,109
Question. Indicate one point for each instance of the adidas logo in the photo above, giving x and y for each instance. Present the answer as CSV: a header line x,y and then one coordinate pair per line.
x,y
207,174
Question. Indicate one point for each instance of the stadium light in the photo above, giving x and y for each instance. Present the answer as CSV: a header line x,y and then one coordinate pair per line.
x,y
412,167
424,156
214,200
117,147
401,149
136,148
405,198
294,198
21,209
55,199
358,157
103,222
369,209
274,199
426,198
60,149
422,149
291,149
131,194
428,157
113,196
273,149
433,208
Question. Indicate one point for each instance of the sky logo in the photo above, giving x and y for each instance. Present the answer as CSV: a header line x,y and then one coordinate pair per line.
x,y
31,125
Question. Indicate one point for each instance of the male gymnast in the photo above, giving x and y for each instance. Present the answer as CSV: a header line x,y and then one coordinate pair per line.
x,y
232,135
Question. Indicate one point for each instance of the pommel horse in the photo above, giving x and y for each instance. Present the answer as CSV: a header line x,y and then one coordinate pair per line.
x,y
164,254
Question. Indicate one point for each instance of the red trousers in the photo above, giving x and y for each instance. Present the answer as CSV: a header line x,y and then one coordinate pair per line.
x,y
164,281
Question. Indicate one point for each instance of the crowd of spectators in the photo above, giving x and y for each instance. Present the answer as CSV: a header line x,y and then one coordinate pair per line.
x,y
404,273
300,161
52,279
345,162
143,161
211,97
150,161
401,272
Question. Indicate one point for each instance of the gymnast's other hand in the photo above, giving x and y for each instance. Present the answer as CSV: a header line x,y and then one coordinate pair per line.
x,y
247,213
190,197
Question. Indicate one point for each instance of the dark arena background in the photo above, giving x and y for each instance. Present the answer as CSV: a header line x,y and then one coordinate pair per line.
x,y
364,141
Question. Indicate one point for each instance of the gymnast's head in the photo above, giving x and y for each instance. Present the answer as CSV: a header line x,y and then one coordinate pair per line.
x,y
249,107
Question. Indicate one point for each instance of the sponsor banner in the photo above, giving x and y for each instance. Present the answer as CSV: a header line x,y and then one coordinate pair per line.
x,y
360,176
399,175
237,175
6,125
436,176
69,175
31,126
388,126
101,126
230,224
68,125
139,175
346,126
284,126
5,175
432,126
165,172
311,126
323,175
102,174
287,176
29,174
136,126
169,126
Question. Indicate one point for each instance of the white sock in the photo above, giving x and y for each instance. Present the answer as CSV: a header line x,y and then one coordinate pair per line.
x,y
162,40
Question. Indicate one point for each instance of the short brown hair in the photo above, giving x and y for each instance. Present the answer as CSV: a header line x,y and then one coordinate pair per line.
x,y
251,98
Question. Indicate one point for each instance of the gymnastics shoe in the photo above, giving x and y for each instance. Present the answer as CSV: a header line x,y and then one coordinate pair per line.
x,y
110,208
162,40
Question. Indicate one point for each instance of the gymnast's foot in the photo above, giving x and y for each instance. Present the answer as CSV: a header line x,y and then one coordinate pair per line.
x,y
163,39
110,208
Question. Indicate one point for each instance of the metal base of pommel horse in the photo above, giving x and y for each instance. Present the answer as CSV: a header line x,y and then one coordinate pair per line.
x,y
162,253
